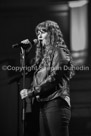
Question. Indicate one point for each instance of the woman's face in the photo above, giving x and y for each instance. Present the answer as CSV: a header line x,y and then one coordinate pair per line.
x,y
44,37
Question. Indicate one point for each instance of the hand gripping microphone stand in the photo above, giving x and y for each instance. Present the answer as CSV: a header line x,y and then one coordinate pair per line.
x,y
23,101
25,46
23,50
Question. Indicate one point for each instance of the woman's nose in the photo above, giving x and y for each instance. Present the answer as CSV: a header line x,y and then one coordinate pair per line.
x,y
40,35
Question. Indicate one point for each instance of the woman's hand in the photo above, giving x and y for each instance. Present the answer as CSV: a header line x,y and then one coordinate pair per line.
x,y
28,92
24,93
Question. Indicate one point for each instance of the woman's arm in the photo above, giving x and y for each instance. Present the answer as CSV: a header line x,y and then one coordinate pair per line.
x,y
60,59
47,87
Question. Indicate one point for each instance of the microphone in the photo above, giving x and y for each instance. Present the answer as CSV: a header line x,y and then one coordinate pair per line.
x,y
35,41
24,44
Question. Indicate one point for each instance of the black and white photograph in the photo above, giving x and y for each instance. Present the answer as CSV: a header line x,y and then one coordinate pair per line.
x,y
45,68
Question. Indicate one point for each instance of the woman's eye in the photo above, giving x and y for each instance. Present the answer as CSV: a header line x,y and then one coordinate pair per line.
x,y
44,31
38,33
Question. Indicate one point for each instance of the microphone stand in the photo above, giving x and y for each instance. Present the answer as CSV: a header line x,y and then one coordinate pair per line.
x,y
25,47
23,101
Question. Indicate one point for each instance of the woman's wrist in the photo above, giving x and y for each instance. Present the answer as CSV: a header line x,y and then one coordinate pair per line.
x,y
30,93
33,92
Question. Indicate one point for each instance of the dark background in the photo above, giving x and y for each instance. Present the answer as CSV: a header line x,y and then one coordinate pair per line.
x,y
18,19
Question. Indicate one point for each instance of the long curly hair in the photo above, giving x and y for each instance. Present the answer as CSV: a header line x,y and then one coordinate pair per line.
x,y
54,30
56,36
56,39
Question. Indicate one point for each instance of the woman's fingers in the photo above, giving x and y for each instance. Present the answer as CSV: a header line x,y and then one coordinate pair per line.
x,y
24,93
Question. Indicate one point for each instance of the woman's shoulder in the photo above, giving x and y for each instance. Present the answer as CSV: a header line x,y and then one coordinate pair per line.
x,y
62,49
62,52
